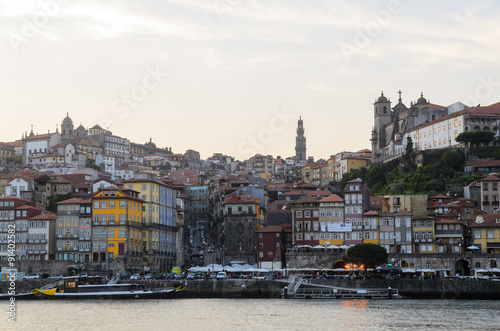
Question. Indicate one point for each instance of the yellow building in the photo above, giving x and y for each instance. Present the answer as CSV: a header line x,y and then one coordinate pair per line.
x,y
486,233
159,218
117,226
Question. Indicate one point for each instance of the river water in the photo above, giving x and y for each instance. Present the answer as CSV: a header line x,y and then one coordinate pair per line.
x,y
254,314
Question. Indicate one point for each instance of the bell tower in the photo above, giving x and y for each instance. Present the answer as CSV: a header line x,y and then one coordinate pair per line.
x,y
300,142
67,128
382,116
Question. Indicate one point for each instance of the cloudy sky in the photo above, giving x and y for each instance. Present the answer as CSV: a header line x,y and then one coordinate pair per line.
x,y
233,76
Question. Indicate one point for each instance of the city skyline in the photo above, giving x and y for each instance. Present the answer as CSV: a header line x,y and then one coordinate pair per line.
x,y
235,76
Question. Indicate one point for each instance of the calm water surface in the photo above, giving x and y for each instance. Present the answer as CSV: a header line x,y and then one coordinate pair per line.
x,y
258,314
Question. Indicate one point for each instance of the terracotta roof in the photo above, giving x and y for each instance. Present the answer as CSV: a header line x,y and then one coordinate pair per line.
x,y
240,199
486,221
303,199
491,177
452,115
332,198
481,164
17,143
73,201
27,207
40,136
371,213
491,110
44,216
271,228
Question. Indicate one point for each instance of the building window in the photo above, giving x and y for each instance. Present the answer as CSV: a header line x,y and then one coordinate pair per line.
x,y
96,204
307,214
298,214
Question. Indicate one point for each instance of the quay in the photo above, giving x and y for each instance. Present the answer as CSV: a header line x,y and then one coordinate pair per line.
x,y
469,289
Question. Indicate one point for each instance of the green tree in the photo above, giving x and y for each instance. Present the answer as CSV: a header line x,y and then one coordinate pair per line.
x,y
476,137
408,160
369,255
453,159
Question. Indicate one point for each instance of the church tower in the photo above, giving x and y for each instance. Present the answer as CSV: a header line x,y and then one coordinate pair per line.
x,y
67,128
382,117
300,142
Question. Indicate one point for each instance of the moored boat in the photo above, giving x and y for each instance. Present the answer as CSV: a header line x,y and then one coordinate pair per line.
x,y
20,296
81,288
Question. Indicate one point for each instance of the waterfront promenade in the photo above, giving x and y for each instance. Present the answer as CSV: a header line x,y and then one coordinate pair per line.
x,y
251,288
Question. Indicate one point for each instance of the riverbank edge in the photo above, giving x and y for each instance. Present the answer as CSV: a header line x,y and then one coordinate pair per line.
x,y
462,289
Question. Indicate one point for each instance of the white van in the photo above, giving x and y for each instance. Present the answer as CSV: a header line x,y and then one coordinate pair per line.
x,y
221,275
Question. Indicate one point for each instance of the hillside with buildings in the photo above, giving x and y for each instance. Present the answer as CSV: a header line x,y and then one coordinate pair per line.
x,y
89,198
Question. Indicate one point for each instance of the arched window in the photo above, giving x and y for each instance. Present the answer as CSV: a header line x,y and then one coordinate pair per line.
x,y
385,109
478,265
493,264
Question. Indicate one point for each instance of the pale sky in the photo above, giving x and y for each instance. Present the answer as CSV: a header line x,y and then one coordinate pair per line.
x,y
233,76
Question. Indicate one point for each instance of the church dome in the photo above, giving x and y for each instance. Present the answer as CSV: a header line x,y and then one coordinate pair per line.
x,y
80,128
381,98
421,100
67,120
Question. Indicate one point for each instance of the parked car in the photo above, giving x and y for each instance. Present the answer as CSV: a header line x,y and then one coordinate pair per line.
x,y
83,274
221,275
148,276
260,277
135,276
56,277
173,276
31,276
191,276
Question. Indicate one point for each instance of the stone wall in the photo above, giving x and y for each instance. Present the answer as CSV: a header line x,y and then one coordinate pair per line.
x,y
455,262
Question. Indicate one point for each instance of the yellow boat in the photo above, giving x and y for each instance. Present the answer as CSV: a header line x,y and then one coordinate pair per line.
x,y
49,291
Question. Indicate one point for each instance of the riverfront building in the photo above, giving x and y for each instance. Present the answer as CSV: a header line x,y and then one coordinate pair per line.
x,y
159,216
73,230
117,227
